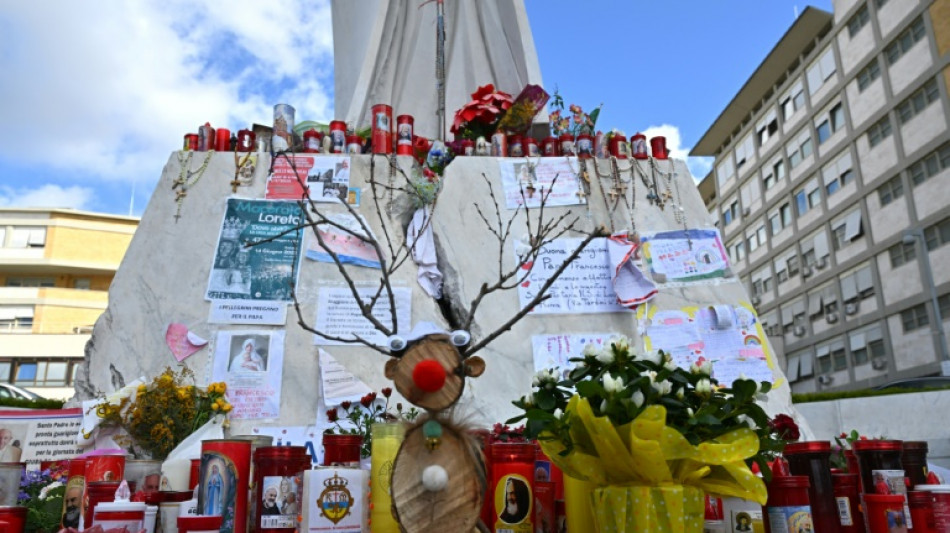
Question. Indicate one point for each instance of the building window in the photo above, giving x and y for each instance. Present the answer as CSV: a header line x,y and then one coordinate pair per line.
x,y
857,284
846,229
744,151
891,190
792,263
821,70
879,3
808,197
41,372
838,173
905,41
930,165
756,238
839,357
31,282
767,127
776,173
749,194
880,131
738,251
28,237
799,149
901,254
730,213
793,100
868,74
726,170
858,21
917,102
83,284
16,319
914,318
781,218
833,122
866,344
937,235
944,303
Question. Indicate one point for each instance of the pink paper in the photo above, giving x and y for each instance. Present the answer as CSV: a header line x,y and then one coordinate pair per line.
x,y
182,342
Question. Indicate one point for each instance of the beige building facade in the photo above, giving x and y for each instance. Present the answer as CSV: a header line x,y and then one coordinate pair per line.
x,y
56,266
831,186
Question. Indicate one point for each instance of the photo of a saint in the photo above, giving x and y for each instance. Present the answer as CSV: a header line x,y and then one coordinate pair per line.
x,y
72,512
382,121
213,490
10,450
517,501
405,133
250,353
743,522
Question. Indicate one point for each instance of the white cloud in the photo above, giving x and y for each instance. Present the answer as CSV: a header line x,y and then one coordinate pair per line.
x,y
698,166
47,196
110,91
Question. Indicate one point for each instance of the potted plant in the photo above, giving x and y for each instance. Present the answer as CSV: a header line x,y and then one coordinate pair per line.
x,y
651,436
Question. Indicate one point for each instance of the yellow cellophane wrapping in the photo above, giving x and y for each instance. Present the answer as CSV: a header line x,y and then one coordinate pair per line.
x,y
646,456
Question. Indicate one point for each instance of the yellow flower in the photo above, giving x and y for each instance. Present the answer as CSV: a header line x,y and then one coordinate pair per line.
x,y
226,408
142,388
214,406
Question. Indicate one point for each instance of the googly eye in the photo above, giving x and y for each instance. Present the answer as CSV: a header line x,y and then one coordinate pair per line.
x,y
396,343
460,337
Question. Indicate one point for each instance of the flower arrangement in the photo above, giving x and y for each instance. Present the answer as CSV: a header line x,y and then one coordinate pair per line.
x,y
617,390
42,492
358,418
158,416
480,117
575,124
526,105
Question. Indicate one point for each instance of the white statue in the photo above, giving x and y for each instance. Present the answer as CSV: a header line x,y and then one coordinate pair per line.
x,y
384,53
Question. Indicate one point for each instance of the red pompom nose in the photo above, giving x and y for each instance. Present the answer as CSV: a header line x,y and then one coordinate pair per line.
x,y
428,375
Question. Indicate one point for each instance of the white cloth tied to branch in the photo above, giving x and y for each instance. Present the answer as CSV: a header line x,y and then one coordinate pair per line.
x,y
419,239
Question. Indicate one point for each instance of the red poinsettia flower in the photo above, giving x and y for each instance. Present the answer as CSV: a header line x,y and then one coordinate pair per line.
x,y
483,91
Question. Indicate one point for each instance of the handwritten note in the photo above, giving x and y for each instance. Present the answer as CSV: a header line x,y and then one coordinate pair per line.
x,y
733,343
583,287
677,258
339,315
554,351
522,186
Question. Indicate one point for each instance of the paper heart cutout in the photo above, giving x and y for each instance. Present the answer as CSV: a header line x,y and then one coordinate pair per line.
x,y
527,265
182,342
526,284
257,430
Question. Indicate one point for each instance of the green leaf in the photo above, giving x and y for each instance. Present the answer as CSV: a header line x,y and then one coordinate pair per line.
x,y
588,389
545,399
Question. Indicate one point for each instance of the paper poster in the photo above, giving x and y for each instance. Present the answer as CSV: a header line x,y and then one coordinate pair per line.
x,y
729,336
554,351
31,436
516,176
349,248
327,179
245,312
310,437
339,384
583,287
338,314
251,363
265,271
677,258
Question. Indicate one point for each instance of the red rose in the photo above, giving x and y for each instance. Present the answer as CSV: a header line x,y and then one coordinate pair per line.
x,y
368,400
387,391
785,427
331,415
346,405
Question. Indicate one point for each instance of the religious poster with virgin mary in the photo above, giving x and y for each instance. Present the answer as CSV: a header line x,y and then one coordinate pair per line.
x,y
251,364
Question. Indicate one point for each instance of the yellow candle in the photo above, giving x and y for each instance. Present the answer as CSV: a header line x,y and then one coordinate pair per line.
x,y
387,437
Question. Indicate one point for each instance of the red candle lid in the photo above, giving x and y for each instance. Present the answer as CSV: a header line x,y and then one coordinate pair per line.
x,y
819,446
915,445
919,497
354,139
619,138
790,482
404,118
337,124
566,137
844,480
529,140
877,445
280,452
883,498
639,135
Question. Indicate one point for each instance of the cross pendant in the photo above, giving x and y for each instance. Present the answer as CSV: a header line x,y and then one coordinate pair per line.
x,y
178,183
580,194
235,183
180,195
531,190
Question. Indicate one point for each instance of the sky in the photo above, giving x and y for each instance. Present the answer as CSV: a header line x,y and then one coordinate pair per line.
x,y
94,98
